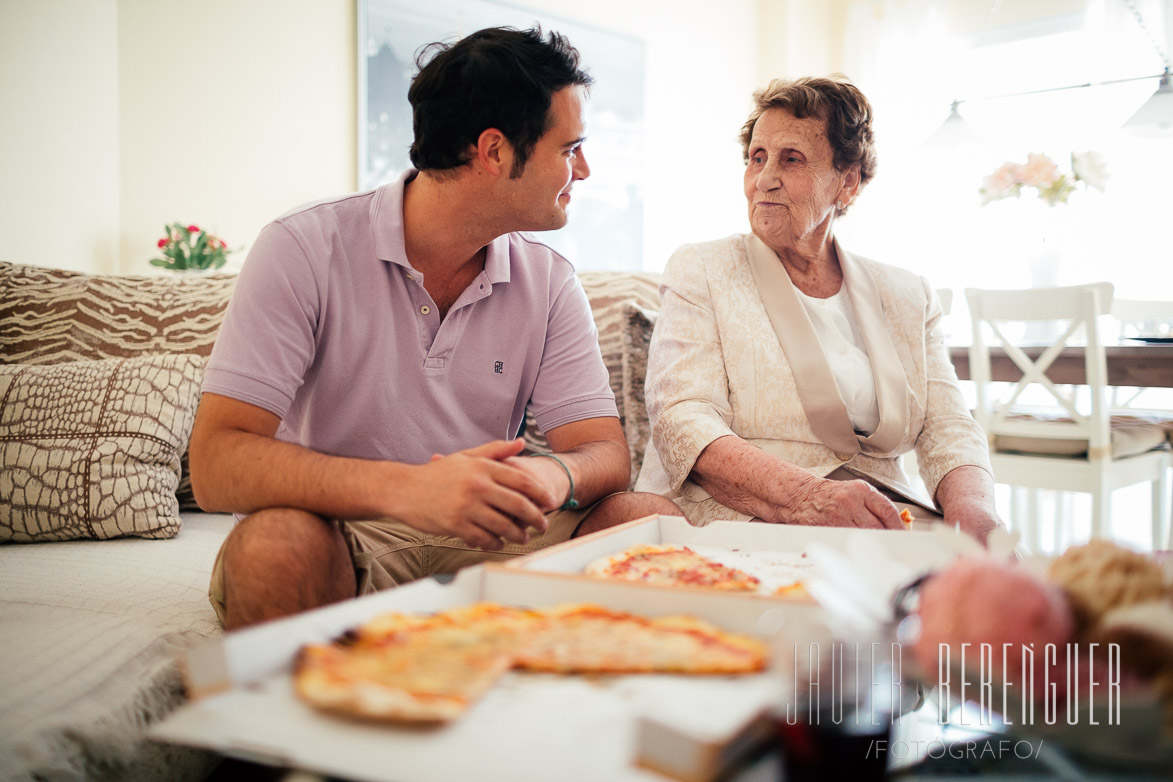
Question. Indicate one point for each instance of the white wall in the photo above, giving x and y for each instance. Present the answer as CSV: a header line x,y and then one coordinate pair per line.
x,y
799,38
231,112
59,133
133,113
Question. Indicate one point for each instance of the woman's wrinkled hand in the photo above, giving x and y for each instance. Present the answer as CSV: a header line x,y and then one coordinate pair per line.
x,y
826,503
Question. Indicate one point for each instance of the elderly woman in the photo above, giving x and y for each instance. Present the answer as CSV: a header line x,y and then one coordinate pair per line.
x,y
786,375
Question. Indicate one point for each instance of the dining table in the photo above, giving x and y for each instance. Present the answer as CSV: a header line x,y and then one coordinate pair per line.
x,y
1135,363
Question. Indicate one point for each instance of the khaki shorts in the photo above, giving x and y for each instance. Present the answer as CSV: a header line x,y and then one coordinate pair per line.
x,y
390,553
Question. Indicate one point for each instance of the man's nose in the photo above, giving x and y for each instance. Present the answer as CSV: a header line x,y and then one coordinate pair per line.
x,y
581,168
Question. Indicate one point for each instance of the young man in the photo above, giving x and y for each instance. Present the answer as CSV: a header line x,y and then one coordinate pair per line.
x,y
381,349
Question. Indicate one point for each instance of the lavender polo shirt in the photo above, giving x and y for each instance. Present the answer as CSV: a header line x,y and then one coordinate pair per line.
x,y
330,329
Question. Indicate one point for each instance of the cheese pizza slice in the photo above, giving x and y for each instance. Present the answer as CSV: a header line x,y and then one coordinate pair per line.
x,y
587,638
671,566
427,673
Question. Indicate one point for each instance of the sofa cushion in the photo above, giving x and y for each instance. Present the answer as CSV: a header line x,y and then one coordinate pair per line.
x,y
50,316
91,448
638,323
89,653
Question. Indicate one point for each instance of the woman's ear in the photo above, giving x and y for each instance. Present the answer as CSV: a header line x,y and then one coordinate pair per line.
x,y
850,187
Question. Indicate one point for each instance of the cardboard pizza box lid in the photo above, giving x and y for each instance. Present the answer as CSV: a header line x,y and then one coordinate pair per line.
x,y
529,726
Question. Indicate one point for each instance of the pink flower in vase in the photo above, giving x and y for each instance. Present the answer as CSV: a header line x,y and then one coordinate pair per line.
x,y
1002,183
1039,171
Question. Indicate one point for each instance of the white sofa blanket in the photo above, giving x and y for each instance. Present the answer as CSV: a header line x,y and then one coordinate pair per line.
x,y
90,635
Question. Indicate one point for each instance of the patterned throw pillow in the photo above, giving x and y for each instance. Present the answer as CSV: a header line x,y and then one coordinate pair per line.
x,y
637,335
91,448
51,316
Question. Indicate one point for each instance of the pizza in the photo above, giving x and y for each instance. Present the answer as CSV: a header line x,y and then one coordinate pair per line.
x,y
411,668
668,565
795,589
586,638
420,676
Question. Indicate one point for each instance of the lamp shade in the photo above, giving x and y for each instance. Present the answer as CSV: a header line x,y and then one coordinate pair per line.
x,y
954,131
1157,111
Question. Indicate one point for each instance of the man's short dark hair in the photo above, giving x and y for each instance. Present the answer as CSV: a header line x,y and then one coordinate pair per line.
x,y
499,78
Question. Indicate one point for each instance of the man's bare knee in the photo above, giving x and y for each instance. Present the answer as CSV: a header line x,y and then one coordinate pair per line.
x,y
623,507
281,561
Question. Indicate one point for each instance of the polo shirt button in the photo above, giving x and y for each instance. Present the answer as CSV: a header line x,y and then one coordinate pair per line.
x,y
424,310
842,456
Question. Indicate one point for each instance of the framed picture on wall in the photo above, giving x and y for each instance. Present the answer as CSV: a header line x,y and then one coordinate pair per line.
x,y
605,230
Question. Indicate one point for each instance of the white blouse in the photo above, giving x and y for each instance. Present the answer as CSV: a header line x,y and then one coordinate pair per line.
x,y
843,344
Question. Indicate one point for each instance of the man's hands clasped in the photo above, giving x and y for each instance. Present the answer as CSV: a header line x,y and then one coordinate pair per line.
x,y
486,496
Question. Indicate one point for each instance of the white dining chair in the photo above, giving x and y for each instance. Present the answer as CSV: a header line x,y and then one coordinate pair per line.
x,y
1044,436
1143,320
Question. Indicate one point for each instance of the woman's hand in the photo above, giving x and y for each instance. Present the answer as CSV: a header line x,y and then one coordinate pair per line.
x,y
747,479
826,503
966,495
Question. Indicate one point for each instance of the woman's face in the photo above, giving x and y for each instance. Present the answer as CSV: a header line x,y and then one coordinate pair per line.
x,y
790,182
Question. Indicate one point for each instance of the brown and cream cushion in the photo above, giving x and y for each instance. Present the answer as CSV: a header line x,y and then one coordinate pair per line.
x,y
639,322
1131,435
91,448
51,316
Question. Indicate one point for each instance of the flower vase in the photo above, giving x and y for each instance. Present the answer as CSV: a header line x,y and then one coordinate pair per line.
x,y
1043,254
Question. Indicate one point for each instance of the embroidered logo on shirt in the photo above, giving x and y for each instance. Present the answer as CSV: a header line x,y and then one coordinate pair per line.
x,y
498,367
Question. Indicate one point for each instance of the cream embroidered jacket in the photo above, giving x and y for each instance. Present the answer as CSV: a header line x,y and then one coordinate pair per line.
x,y
734,352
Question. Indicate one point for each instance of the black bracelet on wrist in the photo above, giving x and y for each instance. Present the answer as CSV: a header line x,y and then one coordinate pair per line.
x,y
570,503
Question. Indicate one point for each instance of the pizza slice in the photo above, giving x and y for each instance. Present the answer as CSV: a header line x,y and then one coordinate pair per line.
x,y
795,589
428,673
409,668
586,638
669,565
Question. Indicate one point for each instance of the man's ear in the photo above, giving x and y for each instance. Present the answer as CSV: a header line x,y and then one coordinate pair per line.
x,y
493,152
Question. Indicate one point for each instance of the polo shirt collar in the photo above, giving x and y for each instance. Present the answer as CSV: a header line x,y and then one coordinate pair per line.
x,y
388,229
387,220
497,260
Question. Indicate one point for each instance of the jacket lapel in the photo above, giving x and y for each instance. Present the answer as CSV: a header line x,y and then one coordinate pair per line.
x,y
891,382
817,391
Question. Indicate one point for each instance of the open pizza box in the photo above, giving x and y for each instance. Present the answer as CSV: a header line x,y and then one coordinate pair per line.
x,y
779,555
528,726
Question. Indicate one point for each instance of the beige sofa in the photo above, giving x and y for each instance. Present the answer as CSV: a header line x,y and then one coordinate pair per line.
x,y
104,556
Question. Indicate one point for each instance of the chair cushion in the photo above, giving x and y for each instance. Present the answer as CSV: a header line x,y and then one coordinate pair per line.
x,y
1131,435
